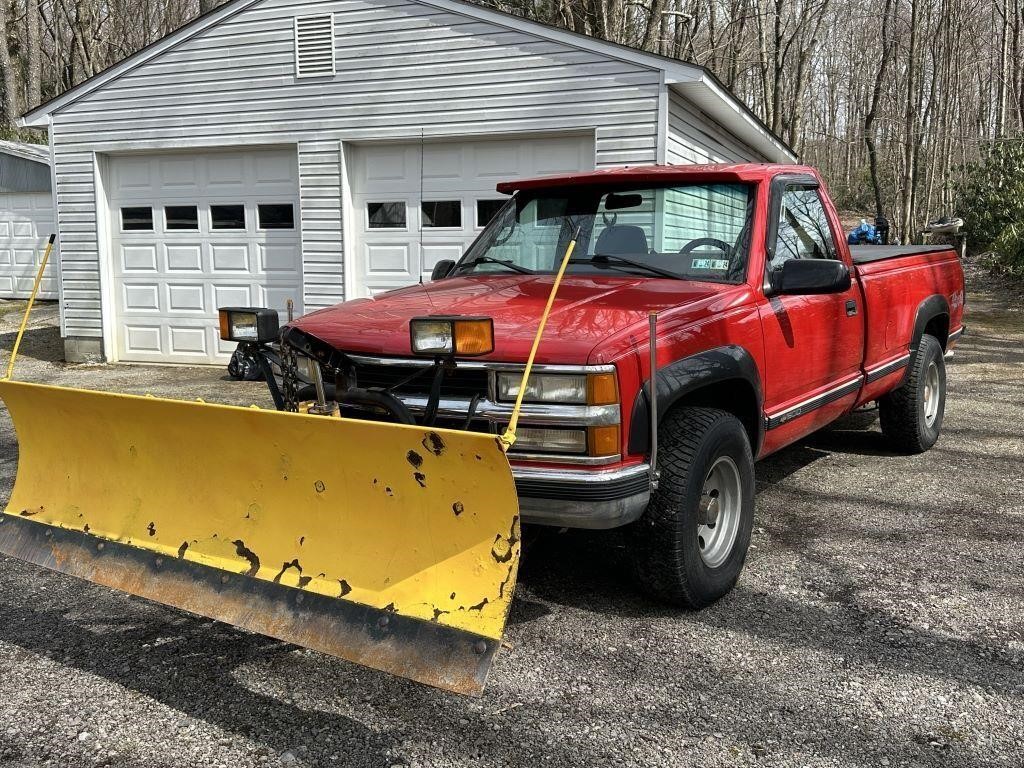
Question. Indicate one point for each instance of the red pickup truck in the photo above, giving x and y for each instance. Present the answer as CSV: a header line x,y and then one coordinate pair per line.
x,y
768,328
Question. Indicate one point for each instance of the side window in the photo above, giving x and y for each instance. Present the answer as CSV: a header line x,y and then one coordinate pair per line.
x,y
803,230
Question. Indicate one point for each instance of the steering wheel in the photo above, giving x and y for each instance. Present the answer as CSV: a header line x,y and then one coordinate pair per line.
x,y
700,242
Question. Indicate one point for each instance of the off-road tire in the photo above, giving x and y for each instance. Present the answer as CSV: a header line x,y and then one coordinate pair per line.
x,y
663,543
902,412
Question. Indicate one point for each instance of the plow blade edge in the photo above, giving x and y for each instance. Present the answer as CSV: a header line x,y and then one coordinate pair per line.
x,y
391,546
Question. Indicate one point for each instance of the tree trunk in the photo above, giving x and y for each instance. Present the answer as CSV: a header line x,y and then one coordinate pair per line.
x,y
33,55
8,73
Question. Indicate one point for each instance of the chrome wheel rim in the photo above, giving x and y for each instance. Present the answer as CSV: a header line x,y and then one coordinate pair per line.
x,y
932,396
719,512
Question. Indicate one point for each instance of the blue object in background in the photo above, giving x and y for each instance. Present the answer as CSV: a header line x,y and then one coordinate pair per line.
x,y
864,234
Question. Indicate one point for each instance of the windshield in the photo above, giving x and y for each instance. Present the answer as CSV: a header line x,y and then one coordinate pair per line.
x,y
688,231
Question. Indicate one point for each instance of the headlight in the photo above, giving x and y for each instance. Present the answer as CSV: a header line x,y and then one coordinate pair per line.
x,y
304,366
568,388
544,387
593,441
253,324
544,440
465,336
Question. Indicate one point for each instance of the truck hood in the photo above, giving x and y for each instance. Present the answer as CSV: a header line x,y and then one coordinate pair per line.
x,y
587,310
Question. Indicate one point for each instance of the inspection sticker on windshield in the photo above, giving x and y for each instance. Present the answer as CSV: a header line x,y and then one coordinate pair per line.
x,y
719,264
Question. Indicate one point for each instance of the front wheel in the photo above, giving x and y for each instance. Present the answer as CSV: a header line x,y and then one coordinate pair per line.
x,y
690,545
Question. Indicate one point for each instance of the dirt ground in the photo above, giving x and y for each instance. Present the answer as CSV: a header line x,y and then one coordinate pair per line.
x,y
879,622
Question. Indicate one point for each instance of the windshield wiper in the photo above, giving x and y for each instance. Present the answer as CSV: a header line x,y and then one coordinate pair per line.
x,y
501,262
603,258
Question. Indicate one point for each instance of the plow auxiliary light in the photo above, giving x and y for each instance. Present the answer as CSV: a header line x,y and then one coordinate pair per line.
x,y
449,336
252,324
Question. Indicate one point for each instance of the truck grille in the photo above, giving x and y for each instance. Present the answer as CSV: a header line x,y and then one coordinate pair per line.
x,y
462,382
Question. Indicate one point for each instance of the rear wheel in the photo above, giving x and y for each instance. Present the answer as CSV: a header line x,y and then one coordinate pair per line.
x,y
689,547
911,415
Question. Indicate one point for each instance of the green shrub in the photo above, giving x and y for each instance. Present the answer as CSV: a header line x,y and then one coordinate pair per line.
x,y
1007,256
990,196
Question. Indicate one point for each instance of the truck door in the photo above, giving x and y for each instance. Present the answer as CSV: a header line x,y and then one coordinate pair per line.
x,y
814,344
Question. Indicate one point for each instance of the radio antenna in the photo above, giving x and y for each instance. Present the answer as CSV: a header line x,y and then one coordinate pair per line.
x,y
419,213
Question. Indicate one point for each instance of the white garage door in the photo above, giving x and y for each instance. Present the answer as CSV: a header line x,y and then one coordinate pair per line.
x,y
194,232
26,222
458,180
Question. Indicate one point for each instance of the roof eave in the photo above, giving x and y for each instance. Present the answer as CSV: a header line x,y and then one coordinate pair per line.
x,y
737,117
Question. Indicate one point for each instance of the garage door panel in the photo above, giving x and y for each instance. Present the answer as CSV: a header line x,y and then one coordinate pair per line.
x,y
142,339
278,259
230,258
23,285
179,176
233,295
184,258
174,280
133,177
389,259
139,258
184,340
140,297
188,297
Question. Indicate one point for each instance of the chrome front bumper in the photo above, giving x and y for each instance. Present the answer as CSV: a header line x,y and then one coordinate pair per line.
x,y
579,498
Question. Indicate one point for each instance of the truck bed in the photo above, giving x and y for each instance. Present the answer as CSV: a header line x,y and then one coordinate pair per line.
x,y
866,254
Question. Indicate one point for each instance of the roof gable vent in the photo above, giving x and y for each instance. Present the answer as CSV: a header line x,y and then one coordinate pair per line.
x,y
314,46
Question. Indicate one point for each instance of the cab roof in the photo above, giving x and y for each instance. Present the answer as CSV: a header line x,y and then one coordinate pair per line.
x,y
659,174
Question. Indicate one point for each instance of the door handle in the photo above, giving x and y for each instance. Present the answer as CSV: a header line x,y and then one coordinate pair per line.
x,y
851,308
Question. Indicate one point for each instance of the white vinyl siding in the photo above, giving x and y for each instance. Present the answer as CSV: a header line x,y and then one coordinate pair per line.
x,y
717,211
694,138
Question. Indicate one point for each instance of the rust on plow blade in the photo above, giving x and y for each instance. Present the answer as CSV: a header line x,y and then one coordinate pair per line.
x,y
391,546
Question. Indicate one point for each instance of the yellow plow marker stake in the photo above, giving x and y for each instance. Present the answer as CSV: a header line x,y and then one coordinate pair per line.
x,y
392,546
508,438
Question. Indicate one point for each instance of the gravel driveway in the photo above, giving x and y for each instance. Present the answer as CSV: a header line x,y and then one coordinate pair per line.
x,y
879,622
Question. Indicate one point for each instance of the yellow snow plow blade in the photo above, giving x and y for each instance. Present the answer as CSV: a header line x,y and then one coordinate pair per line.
x,y
390,546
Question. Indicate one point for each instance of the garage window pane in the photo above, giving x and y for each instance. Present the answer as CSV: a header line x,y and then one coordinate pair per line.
x,y
486,210
442,213
137,219
227,216
182,217
386,215
276,215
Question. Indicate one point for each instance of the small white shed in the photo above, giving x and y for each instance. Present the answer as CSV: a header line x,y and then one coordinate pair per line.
x,y
322,150
26,220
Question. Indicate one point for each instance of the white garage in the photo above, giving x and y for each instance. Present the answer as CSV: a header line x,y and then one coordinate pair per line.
x,y
323,150
417,204
26,220
191,232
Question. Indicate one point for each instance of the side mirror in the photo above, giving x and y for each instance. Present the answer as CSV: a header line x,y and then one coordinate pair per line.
x,y
442,269
805,277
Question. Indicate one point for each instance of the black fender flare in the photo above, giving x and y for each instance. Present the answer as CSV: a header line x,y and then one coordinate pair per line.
x,y
685,376
934,306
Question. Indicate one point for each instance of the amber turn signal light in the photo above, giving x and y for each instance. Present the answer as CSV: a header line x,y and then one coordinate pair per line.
x,y
602,389
603,441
